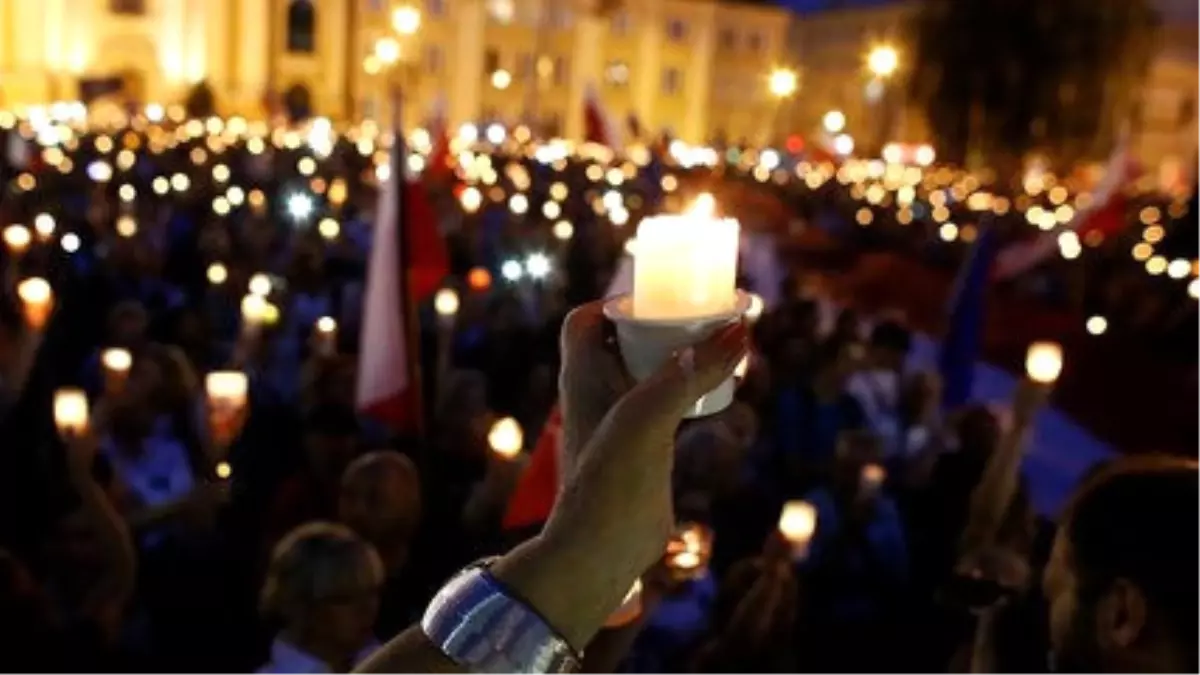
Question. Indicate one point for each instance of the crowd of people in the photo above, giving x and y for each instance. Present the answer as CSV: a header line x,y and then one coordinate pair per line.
x,y
313,535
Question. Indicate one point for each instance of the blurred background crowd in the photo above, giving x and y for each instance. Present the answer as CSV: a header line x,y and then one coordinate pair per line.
x,y
300,529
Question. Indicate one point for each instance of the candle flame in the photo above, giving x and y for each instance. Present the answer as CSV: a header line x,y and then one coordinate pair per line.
x,y
704,206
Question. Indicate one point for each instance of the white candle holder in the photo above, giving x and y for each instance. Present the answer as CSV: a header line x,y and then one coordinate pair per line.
x,y
647,343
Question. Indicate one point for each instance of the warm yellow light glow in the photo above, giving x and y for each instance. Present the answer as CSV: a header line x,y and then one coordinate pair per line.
x,y
501,79
387,51
782,82
883,60
406,20
506,438
445,303
1043,362
834,121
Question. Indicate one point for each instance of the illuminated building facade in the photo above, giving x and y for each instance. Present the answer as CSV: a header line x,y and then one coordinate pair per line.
x,y
697,67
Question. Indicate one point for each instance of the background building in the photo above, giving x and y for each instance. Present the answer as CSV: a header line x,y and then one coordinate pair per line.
x,y
697,67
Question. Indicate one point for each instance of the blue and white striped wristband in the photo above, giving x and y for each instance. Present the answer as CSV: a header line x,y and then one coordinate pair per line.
x,y
479,625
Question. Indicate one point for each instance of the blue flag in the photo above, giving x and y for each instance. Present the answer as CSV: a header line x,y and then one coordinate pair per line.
x,y
961,343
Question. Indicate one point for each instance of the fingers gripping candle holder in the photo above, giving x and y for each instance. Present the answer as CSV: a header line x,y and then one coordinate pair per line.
x,y
647,343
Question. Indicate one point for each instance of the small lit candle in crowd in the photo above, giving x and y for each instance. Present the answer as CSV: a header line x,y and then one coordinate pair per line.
x,y
116,362
689,551
44,226
1043,362
630,609
325,335
37,301
506,438
223,470
17,238
254,311
797,523
686,266
70,411
445,303
871,478
227,392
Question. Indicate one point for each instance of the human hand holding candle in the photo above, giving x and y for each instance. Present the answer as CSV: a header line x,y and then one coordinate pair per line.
x,y
684,279
227,393
689,551
37,301
116,362
798,523
70,412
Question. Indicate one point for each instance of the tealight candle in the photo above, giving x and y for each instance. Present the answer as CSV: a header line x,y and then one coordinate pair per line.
x,y
326,335
37,300
70,411
506,438
117,363
797,523
445,303
1043,362
686,266
227,388
871,477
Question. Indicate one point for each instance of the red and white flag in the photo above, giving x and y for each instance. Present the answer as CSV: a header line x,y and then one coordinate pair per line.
x,y
388,387
1106,214
598,126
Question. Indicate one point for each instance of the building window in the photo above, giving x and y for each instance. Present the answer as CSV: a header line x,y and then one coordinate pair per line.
x,y
501,11
301,27
672,81
1187,110
620,24
525,66
616,73
491,60
560,71
727,39
136,7
754,42
558,17
434,59
676,30
435,7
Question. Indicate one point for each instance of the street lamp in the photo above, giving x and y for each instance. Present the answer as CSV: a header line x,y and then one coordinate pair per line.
x,y
406,20
387,51
834,121
883,61
782,82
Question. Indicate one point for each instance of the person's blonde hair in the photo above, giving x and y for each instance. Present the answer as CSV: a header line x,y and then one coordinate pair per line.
x,y
314,562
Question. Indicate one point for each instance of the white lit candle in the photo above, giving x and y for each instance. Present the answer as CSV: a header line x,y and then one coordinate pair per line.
x,y
226,389
506,438
70,411
17,238
797,523
116,359
326,335
37,299
445,303
1043,362
686,265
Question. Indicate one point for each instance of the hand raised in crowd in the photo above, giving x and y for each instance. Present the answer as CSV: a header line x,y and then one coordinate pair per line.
x,y
613,519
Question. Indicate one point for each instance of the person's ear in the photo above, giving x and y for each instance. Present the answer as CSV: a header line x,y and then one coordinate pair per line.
x,y
1122,614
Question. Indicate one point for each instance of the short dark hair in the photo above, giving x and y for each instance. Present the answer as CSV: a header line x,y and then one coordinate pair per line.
x,y
1136,519
891,335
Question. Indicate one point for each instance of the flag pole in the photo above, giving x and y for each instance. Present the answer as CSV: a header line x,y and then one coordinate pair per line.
x,y
412,329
